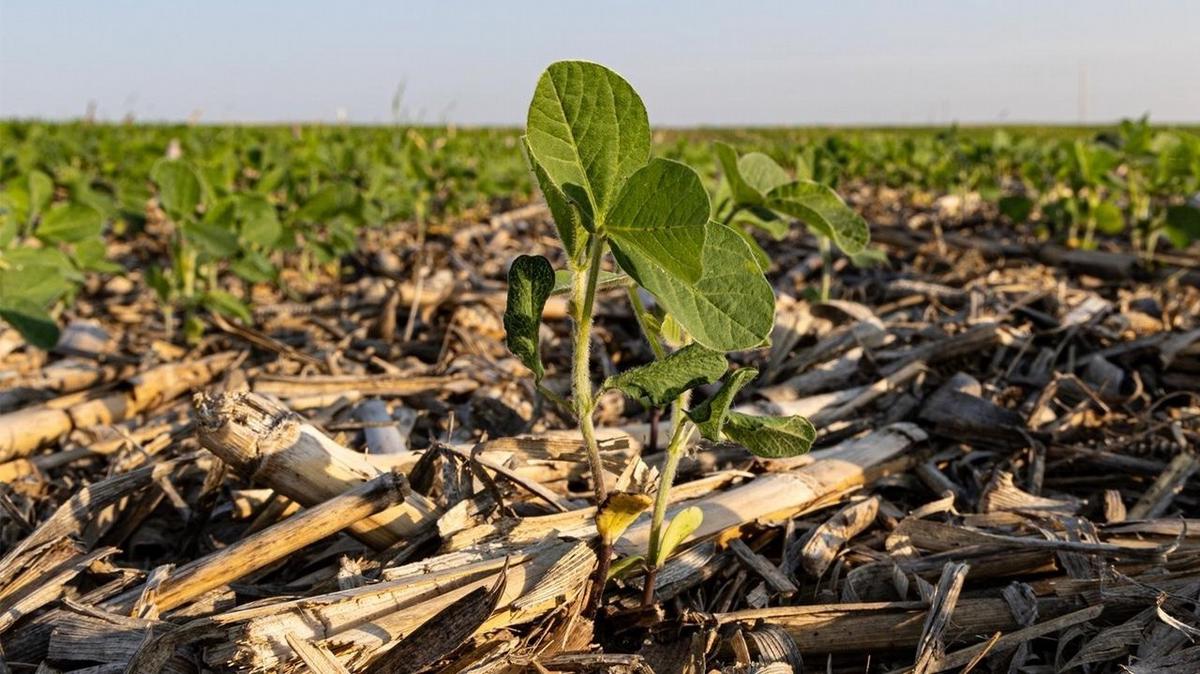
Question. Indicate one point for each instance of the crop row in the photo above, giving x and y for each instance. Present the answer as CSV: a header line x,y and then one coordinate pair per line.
x,y
247,200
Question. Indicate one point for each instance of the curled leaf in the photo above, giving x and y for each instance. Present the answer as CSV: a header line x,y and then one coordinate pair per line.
x,y
709,416
770,437
658,383
530,281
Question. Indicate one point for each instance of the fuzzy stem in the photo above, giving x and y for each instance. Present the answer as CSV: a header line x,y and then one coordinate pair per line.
x,y
679,439
826,247
583,302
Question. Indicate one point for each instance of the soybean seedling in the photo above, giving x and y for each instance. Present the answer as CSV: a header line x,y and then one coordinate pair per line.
x,y
588,143
762,193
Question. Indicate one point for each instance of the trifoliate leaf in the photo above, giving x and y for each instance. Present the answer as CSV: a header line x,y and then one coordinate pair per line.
x,y
568,220
770,437
659,220
70,223
33,322
659,383
259,221
742,192
180,187
731,307
588,130
823,211
761,172
530,281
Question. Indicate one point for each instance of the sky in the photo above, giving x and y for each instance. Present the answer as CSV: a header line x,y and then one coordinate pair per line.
x,y
695,62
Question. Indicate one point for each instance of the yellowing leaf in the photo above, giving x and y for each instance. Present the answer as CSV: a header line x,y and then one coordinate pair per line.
x,y
619,511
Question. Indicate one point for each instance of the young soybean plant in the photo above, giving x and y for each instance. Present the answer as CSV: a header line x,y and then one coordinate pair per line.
x,y
588,143
761,191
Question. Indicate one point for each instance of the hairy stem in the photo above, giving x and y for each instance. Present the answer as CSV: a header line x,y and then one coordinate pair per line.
x,y
583,303
679,437
826,247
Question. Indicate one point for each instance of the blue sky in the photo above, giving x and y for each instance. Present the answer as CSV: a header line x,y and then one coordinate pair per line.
x,y
694,62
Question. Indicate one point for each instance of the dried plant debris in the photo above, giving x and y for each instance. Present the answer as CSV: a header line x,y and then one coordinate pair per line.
x,y
359,476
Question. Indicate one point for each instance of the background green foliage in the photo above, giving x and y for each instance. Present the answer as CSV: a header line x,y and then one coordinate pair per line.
x,y
262,193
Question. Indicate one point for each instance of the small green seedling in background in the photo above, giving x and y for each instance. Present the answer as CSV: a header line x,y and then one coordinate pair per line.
x,y
761,194
588,143
200,241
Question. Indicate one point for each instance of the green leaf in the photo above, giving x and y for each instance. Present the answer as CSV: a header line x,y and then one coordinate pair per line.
x,y
330,201
38,276
761,172
259,221
624,565
760,255
685,522
91,255
659,383
1016,207
761,218
730,308
606,279
869,257
69,223
823,211
743,193
530,281
254,267
567,218
1109,218
660,220
214,240
33,322
770,437
1185,220
41,190
709,416
180,188
226,304
588,130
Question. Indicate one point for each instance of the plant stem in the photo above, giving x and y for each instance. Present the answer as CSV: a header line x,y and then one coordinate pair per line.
x,y
583,302
639,312
826,247
679,437
732,213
